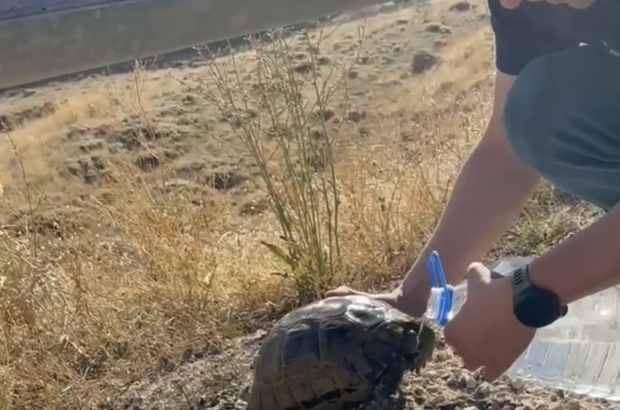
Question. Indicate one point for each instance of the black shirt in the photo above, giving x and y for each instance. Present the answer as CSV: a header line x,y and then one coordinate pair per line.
x,y
537,28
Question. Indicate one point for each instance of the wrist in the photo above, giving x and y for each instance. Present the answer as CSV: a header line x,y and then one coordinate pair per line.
x,y
412,298
533,305
541,275
586,263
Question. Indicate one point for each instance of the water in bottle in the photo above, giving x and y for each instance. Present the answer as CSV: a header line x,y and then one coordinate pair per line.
x,y
579,352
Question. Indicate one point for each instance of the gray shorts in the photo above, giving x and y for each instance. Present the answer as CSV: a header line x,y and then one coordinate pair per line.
x,y
562,118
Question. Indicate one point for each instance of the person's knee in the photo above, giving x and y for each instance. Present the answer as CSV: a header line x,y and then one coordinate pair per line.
x,y
561,118
563,101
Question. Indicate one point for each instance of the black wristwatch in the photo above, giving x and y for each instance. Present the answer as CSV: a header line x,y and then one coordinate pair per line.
x,y
534,306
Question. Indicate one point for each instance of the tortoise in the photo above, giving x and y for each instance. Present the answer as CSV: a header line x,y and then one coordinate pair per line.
x,y
337,353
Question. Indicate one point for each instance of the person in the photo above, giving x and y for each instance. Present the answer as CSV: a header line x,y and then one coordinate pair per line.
x,y
556,115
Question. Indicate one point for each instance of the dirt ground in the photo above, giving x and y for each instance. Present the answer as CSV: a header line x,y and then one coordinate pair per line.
x,y
133,216
221,381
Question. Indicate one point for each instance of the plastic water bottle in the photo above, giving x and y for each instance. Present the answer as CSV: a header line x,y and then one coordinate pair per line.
x,y
579,352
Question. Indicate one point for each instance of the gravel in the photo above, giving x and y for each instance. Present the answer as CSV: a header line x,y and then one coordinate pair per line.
x,y
220,381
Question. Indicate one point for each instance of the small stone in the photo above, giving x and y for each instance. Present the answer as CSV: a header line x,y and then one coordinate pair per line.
x,y
441,357
356,116
468,381
502,397
324,114
460,6
437,400
223,181
528,405
517,384
484,389
453,382
147,162
423,61
305,67
323,60
573,405
437,28
431,374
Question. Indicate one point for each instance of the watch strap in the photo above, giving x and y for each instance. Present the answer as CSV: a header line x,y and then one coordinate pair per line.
x,y
521,280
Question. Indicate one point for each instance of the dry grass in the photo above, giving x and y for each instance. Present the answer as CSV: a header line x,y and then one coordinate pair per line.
x,y
118,280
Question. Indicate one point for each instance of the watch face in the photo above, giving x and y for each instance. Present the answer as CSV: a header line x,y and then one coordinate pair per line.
x,y
537,308
533,306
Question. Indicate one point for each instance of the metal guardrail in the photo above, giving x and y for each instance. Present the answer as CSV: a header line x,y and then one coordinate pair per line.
x,y
41,39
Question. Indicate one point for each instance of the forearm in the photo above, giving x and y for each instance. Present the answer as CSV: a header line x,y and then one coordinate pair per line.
x,y
488,196
585,264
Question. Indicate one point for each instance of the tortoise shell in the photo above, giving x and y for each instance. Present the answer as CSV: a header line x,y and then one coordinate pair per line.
x,y
337,352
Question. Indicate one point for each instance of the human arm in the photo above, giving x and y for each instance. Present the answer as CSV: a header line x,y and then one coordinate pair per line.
x,y
493,185
490,192
571,266
584,264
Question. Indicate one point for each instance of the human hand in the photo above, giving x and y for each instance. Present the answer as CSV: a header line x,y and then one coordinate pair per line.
x,y
413,302
485,333
577,4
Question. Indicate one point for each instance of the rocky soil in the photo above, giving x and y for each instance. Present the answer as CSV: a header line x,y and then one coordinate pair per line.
x,y
220,380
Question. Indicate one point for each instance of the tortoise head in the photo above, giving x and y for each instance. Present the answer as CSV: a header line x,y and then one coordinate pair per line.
x,y
422,345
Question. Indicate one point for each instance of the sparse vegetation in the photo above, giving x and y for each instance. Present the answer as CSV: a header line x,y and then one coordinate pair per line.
x,y
148,220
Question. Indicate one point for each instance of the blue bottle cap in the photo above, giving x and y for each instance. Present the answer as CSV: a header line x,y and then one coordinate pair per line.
x,y
438,281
